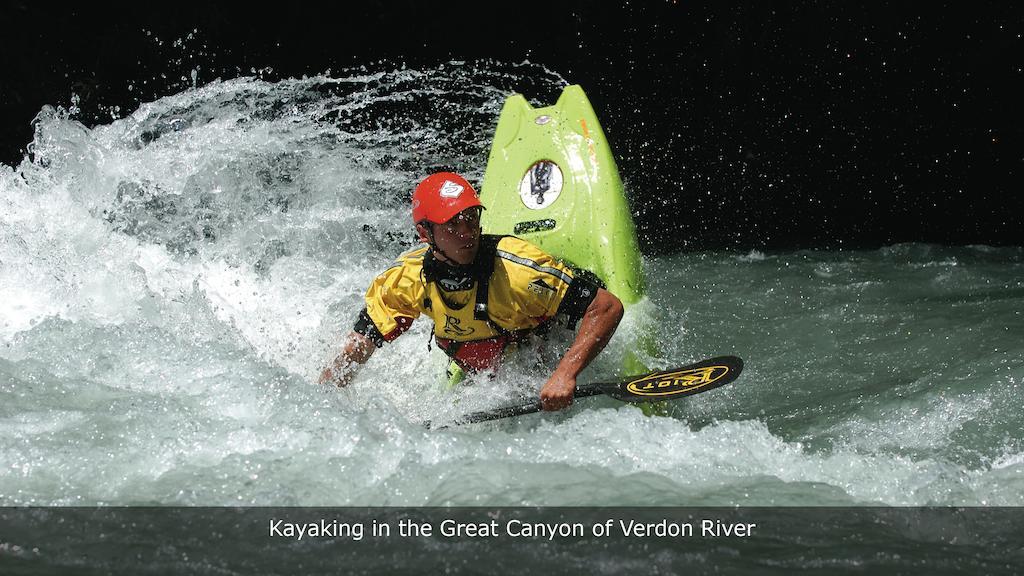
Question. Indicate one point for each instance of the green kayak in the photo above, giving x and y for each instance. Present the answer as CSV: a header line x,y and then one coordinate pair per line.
x,y
551,179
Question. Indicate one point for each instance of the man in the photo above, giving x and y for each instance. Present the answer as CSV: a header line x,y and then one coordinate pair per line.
x,y
483,293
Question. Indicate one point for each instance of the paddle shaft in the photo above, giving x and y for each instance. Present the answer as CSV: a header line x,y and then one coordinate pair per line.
x,y
509,411
654,387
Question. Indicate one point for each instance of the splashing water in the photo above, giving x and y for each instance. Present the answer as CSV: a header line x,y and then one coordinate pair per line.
x,y
174,280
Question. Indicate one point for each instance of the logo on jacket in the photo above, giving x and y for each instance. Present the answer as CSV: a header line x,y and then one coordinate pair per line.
x,y
451,326
539,287
455,285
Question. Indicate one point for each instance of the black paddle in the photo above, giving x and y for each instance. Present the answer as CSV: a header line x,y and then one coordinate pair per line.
x,y
654,387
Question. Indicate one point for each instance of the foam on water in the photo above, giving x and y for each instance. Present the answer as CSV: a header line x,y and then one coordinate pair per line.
x,y
173,281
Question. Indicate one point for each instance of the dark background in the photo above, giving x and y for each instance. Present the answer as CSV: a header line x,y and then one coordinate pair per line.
x,y
769,125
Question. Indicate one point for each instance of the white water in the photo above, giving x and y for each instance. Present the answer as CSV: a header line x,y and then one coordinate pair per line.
x,y
172,283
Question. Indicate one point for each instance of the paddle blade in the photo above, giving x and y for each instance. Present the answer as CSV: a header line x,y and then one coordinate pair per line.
x,y
677,382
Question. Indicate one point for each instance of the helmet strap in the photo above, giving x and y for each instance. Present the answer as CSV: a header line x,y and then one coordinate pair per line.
x,y
437,249
430,241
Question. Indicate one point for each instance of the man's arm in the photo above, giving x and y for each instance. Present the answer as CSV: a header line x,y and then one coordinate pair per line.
x,y
596,328
355,351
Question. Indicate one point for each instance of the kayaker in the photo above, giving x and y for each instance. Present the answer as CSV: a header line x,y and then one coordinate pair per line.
x,y
483,292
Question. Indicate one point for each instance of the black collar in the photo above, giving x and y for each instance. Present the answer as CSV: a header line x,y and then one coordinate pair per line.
x,y
455,277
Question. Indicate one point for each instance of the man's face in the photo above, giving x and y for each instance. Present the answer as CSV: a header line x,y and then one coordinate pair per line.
x,y
459,238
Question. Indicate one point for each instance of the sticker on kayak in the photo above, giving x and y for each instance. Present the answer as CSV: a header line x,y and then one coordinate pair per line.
x,y
682,382
541,185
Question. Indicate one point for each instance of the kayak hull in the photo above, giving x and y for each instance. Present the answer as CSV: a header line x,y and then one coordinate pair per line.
x,y
580,213
551,179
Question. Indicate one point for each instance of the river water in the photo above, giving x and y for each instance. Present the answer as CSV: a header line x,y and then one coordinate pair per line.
x,y
173,281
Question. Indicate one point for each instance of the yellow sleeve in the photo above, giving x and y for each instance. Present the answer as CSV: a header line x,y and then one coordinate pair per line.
x,y
537,281
394,300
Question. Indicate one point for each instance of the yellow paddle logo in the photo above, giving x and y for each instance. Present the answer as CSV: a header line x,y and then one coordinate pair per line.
x,y
672,383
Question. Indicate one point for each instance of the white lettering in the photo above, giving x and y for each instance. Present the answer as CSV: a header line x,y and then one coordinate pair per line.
x,y
321,529
517,529
451,529
715,528
661,529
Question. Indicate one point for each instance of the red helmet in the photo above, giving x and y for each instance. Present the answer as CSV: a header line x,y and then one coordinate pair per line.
x,y
441,196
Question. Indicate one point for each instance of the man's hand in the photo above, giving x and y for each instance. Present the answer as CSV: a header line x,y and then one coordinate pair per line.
x,y
327,376
355,351
558,392
598,325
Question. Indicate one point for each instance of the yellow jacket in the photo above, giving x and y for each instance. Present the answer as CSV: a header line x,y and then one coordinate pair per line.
x,y
525,288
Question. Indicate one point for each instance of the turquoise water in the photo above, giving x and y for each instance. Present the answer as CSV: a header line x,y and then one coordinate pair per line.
x,y
173,281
